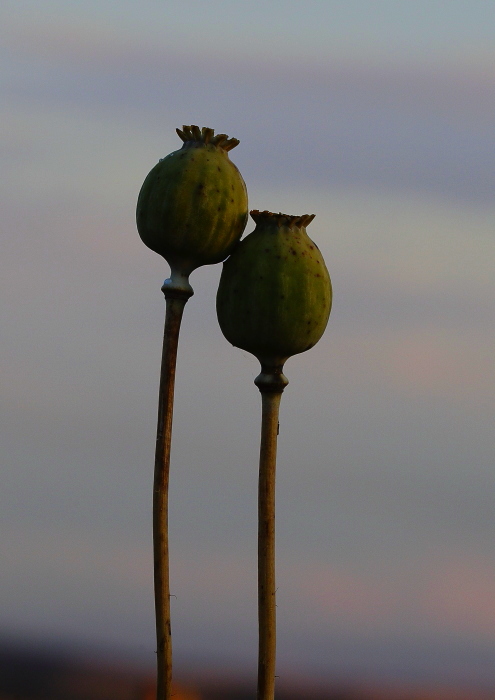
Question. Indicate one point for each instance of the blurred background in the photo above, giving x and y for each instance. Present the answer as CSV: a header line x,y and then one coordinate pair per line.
x,y
377,116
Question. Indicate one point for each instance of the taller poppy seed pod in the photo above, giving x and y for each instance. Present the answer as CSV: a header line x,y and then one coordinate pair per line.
x,y
275,293
192,207
192,210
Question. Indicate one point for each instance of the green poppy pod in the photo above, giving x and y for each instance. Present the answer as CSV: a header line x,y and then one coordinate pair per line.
x,y
192,207
275,294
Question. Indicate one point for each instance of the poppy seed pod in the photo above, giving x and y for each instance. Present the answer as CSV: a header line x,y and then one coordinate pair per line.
x,y
275,294
192,207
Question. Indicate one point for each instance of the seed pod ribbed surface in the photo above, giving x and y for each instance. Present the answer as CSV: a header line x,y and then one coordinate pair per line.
x,y
192,207
275,294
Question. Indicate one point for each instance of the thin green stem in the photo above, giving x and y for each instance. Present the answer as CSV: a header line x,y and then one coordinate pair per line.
x,y
271,384
175,302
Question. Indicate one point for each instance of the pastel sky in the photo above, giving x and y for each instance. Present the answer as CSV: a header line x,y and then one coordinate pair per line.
x,y
378,118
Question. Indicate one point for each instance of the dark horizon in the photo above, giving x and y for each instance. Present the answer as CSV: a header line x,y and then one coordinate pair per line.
x,y
30,671
426,667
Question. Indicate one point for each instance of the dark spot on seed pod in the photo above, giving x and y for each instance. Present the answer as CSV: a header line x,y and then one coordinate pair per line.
x,y
317,274
232,201
311,247
267,250
219,169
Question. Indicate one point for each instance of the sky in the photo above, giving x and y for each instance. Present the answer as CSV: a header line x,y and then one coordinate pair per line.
x,y
378,118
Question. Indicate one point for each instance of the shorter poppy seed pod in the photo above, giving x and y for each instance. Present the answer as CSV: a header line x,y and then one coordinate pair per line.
x,y
192,207
275,294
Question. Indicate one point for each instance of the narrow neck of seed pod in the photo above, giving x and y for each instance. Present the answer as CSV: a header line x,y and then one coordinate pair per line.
x,y
177,285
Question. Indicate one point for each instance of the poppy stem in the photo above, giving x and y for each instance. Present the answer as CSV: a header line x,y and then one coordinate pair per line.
x,y
176,298
271,383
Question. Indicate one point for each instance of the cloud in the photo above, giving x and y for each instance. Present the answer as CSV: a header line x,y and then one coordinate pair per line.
x,y
409,127
60,581
458,595
435,594
426,361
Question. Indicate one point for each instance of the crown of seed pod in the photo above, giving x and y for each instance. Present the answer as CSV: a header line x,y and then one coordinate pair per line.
x,y
275,294
192,207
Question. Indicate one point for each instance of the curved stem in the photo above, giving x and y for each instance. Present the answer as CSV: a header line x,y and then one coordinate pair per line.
x,y
175,302
271,383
